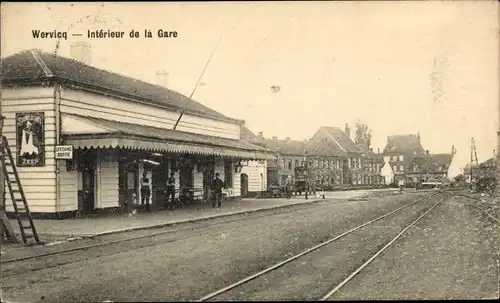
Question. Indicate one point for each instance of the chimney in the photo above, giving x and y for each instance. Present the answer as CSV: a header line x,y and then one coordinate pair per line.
x,y
161,78
347,130
371,149
378,150
81,51
427,152
261,134
287,138
418,136
275,138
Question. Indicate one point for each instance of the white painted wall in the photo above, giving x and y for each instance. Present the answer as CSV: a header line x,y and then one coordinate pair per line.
x,y
99,106
39,183
387,173
107,182
253,170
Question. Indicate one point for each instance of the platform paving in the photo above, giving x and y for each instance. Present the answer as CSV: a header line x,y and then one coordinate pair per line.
x,y
96,226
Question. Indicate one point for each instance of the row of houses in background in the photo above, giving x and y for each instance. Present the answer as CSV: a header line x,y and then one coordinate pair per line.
x,y
340,161
411,163
330,151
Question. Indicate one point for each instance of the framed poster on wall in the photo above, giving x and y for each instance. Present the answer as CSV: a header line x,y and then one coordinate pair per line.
x,y
30,140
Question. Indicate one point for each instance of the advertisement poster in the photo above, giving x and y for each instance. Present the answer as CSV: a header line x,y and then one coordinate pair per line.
x,y
30,139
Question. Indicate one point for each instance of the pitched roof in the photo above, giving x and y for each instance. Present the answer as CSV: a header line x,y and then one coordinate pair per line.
x,y
432,163
324,148
33,66
491,162
285,147
247,134
404,143
338,136
442,159
368,153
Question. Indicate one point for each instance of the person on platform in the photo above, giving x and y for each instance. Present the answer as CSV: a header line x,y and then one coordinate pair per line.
x,y
170,191
145,191
217,186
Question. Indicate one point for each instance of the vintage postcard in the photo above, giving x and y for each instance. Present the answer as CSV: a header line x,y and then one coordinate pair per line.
x,y
270,150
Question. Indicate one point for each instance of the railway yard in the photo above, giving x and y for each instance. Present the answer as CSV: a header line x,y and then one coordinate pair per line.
x,y
426,245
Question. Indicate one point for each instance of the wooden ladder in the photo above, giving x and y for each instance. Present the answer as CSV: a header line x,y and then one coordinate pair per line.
x,y
16,192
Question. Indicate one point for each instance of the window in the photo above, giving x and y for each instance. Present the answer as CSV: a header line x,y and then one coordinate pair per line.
x,y
401,158
290,164
401,168
228,174
282,163
296,162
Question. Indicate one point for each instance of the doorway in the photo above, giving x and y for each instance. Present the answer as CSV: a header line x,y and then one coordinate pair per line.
x,y
244,185
128,182
88,191
86,183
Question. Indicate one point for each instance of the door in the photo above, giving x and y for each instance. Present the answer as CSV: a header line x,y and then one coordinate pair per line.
x,y
131,185
244,185
87,192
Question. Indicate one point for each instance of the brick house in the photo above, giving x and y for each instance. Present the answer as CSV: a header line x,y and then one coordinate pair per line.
x,y
400,151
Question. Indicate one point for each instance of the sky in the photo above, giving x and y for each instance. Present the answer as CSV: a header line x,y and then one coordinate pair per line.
x,y
400,67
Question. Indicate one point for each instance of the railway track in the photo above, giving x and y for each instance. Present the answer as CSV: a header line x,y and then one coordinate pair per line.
x,y
81,253
235,285
197,226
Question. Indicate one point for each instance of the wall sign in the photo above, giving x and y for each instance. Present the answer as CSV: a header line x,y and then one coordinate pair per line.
x,y
30,139
64,152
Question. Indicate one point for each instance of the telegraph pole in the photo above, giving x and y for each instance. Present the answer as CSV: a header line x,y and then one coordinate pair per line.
x,y
2,177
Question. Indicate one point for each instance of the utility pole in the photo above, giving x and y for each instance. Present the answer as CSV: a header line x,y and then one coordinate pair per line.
x,y
2,177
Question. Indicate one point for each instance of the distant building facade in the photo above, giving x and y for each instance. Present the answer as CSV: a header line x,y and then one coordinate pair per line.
x,y
336,159
429,168
400,151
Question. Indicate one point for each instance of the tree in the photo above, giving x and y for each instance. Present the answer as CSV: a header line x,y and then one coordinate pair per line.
x,y
363,134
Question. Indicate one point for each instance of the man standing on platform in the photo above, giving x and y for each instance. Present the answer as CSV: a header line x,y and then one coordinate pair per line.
x,y
217,186
170,192
145,191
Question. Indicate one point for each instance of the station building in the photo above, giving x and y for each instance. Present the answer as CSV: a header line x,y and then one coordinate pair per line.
x,y
82,137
